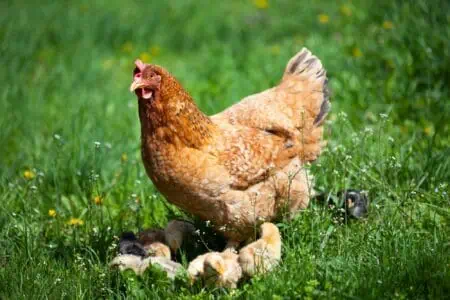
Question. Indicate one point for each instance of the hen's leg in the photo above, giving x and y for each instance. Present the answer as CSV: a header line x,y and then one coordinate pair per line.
x,y
294,190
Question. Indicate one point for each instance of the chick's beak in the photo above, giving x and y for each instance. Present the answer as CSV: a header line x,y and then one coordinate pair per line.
x,y
136,84
220,269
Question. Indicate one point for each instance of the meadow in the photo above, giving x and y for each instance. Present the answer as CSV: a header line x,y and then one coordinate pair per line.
x,y
71,176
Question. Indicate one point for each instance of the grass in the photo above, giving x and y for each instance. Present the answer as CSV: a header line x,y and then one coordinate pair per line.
x,y
70,133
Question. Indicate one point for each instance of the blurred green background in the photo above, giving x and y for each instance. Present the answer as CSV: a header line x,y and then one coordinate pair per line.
x,y
71,178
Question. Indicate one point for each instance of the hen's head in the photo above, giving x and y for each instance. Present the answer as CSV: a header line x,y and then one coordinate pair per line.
x,y
146,80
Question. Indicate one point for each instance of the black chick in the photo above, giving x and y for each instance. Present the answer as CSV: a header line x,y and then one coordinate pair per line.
x,y
128,244
355,202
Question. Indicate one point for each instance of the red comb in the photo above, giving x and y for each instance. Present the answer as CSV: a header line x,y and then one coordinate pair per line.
x,y
139,64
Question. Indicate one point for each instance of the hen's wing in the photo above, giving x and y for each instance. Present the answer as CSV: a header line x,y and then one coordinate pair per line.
x,y
294,110
250,154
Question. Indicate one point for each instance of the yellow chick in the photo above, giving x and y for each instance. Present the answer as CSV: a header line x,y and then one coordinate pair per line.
x,y
128,261
176,231
222,269
196,267
153,241
158,249
139,265
264,254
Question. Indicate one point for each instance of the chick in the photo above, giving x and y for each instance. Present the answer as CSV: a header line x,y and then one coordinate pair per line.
x,y
350,203
167,265
139,264
196,267
128,244
127,261
149,236
356,203
176,232
264,254
222,269
153,241
158,249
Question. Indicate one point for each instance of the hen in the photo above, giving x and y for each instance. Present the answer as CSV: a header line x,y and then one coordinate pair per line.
x,y
242,166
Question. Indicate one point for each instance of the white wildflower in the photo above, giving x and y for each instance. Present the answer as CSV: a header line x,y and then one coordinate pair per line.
x,y
368,130
342,115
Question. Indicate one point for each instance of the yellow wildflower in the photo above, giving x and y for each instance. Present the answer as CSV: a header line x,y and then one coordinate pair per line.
x,y
127,47
388,25
98,200
261,4
28,175
155,50
107,64
323,18
144,56
428,130
75,222
124,157
52,213
84,8
390,63
356,52
346,10
275,49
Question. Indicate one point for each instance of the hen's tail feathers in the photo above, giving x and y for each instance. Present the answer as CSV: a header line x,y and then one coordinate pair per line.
x,y
307,65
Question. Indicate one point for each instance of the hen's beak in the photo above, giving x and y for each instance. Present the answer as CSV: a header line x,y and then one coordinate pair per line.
x,y
136,85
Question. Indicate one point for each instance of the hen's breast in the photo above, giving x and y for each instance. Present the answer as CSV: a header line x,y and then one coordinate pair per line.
x,y
187,177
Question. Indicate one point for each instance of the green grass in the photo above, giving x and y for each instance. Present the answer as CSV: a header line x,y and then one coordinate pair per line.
x,y
66,68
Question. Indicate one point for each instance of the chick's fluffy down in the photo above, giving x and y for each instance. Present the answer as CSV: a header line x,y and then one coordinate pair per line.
x,y
262,255
220,269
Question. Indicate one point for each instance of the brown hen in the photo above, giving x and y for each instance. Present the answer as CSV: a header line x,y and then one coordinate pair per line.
x,y
242,166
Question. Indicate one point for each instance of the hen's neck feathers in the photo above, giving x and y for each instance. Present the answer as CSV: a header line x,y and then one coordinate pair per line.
x,y
173,117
